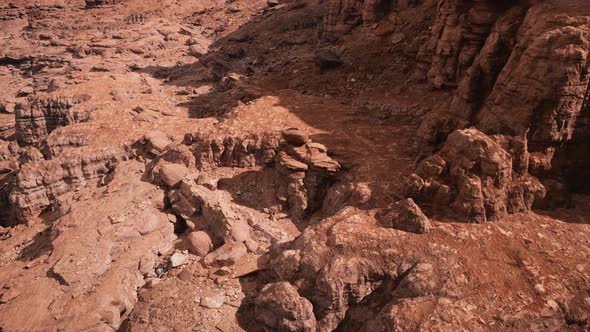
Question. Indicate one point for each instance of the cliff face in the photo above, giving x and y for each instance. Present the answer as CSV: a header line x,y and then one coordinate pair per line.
x,y
519,71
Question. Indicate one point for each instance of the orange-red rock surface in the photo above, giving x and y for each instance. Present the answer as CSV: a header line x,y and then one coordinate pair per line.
x,y
294,165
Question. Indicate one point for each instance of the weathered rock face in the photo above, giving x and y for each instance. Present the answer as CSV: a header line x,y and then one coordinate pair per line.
x,y
521,71
39,184
92,261
39,117
304,172
232,151
526,73
459,33
59,141
473,178
303,168
405,215
7,132
220,217
336,265
7,211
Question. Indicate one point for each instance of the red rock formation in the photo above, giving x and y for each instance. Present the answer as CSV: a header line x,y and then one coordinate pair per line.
x,y
39,185
474,179
39,117
523,73
335,267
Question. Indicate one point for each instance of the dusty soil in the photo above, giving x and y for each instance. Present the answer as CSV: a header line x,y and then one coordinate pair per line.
x,y
129,127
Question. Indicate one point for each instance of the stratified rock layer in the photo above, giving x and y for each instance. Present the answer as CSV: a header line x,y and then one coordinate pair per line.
x,y
38,185
39,117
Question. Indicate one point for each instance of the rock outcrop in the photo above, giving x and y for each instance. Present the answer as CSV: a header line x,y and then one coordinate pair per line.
x,y
39,117
474,179
7,211
460,31
92,261
38,185
521,71
7,125
218,215
303,168
405,215
304,173
231,151
336,266
59,141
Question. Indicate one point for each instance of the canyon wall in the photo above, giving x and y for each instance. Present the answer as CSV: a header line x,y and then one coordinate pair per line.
x,y
519,72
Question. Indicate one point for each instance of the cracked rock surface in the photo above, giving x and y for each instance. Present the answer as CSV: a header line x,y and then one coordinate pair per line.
x,y
317,165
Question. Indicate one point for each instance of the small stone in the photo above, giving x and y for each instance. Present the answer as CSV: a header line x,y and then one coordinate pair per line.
x,y
158,141
185,275
327,60
198,50
214,301
199,243
224,271
172,174
397,38
553,305
25,91
160,271
405,215
149,225
178,259
240,231
9,108
295,136
539,289
228,254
